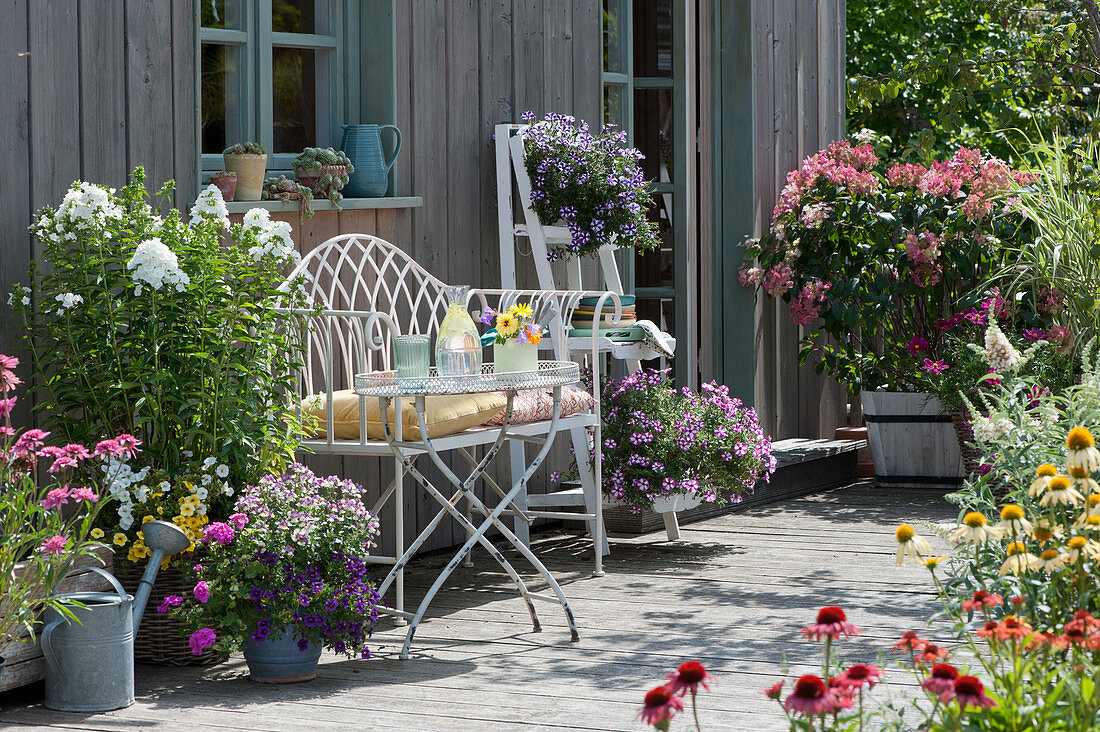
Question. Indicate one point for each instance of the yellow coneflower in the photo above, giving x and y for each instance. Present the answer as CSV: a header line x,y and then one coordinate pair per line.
x,y
1013,522
1082,482
1081,450
1043,474
933,562
1019,560
910,544
1050,560
975,529
1079,547
1061,491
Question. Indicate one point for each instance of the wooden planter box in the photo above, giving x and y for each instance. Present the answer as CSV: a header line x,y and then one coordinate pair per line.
x,y
802,467
25,663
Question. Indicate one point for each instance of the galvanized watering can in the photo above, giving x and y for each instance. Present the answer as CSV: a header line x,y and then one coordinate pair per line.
x,y
90,666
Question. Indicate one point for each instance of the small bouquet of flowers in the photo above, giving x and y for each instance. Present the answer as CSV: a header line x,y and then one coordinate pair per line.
x,y
514,324
289,559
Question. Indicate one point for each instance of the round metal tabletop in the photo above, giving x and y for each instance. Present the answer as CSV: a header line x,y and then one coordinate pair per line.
x,y
386,384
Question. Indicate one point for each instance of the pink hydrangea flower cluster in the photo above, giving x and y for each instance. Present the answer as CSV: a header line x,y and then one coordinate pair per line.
x,y
808,303
778,279
747,275
906,175
814,215
1051,300
922,249
841,163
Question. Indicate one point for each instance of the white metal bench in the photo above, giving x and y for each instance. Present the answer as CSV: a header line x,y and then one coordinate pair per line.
x,y
370,290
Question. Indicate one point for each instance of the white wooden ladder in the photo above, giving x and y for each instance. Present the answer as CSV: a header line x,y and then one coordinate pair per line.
x,y
510,166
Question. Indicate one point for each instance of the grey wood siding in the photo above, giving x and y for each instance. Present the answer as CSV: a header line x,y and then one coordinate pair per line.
x,y
798,106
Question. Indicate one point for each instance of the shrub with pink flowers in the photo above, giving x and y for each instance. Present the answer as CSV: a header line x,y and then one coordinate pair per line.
x,y
660,442
873,255
48,508
290,557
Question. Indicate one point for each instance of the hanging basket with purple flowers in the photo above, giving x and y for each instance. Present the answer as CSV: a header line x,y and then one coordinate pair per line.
x,y
591,182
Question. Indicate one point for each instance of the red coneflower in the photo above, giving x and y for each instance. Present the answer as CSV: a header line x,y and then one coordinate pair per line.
x,y
910,641
1011,627
688,678
982,600
931,653
941,681
844,696
810,697
831,623
660,705
774,691
859,675
970,692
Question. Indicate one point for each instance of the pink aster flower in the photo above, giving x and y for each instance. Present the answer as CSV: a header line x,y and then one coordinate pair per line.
x,y
56,498
201,592
61,462
8,380
831,623
811,697
1034,334
934,367
970,692
106,447
76,451
127,445
941,681
201,639
54,545
29,442
916,344
688,678
84,494
660,706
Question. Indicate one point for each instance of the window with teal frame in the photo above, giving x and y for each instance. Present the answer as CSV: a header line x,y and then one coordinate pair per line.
x,y
269,72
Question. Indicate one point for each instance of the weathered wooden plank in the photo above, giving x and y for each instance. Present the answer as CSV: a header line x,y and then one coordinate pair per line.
x,y
587,57
557,74
149,91
103,93
184,135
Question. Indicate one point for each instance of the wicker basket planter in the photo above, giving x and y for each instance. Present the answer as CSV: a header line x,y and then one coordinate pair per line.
x,y
161,639
311,177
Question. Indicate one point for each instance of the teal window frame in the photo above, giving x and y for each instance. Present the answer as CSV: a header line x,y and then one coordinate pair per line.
x,y
256,41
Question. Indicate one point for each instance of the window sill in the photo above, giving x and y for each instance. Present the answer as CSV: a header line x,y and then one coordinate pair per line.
x,y
326,205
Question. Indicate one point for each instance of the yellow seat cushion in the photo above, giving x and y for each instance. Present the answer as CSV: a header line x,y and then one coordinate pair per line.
x,y
444,415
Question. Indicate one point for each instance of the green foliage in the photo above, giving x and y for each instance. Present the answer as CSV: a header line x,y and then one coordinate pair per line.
x,y
317,162
931,74
164,330
245,148
282,188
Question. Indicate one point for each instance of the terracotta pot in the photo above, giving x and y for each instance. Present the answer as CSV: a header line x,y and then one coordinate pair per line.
x,y
250,170
226,183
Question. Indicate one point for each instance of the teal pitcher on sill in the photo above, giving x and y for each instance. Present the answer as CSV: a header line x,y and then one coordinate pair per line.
x,y
363,146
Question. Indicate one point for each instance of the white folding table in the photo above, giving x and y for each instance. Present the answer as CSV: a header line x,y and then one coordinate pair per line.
x,y
387,388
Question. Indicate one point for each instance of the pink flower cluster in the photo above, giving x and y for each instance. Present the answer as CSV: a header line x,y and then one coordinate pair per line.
x,y
808,303
124,446
906,175
814,215
778,279
220,532
202,639
922,250
841,163
1051,300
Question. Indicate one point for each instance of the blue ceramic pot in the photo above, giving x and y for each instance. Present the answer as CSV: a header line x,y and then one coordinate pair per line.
x,y
363,146
277,660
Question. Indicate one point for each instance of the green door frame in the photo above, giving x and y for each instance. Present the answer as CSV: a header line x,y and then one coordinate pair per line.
x,y
734,322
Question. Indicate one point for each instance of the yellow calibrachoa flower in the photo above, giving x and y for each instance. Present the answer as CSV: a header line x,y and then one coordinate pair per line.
x,y
910,544
975,530
1081,450
119,539
186,509
96,533
146,519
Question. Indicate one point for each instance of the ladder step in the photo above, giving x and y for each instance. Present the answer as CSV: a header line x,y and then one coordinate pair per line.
x,y
567,497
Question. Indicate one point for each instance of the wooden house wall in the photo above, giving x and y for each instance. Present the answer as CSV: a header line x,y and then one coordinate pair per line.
x,y
798,105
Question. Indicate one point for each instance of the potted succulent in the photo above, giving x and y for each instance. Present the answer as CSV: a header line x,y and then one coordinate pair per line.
x,y
249,161
515,338
324,171
286,190
284,577
671,449
226,182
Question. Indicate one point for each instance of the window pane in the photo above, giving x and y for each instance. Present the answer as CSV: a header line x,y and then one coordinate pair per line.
x,y
221,14
654,268
613,111
653,132
613,19
221,97
652,38
294,102
301,16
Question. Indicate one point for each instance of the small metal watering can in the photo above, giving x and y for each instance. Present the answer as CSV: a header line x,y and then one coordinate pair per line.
x,y
90,666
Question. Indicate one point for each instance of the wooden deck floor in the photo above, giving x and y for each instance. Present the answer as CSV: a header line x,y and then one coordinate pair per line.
x,y
732,595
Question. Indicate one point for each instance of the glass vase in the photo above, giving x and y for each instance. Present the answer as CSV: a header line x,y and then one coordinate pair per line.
x,y
458,346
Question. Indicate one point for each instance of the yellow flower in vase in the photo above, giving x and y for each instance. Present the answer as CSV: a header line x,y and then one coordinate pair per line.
x,y
507,325
522,310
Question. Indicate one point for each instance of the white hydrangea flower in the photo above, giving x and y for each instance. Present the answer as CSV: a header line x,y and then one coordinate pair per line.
x,y
156,265
87,206
865,136
67,300
211,206
1002,355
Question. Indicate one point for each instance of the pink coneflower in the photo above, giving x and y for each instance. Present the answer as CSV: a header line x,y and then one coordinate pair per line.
x,y
859,675
982,600
54,545
688,678
127,445
29,442
8,380
76,451
910,641
931,653
774,691
56,498
941,681
105,447
660,705
831,623
84,494
843,696
970,692
6,405
810,697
